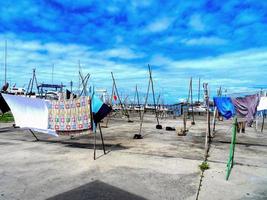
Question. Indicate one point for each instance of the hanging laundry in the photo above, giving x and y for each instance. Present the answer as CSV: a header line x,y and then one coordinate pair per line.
x,y
29,113
70,114
225,106
68,94
263,104
246,107
3,105
115,98
100,110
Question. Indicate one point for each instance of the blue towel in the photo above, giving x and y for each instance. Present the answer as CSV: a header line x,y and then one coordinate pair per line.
x,y
100,110
225,106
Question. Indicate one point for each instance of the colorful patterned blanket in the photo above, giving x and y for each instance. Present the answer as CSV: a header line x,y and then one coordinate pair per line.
x,y
70,114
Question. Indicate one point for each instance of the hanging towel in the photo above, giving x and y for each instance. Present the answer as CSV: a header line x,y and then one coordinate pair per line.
x,y
100,110
246,107
69,115
263,104
29,113
224,106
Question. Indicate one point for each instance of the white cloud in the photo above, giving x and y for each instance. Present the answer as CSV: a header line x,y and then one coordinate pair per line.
x,y
170,74
159,25
241,59
204,41
123,53
23,56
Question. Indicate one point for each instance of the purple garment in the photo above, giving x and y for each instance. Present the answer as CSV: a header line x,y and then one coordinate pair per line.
x,y
246,107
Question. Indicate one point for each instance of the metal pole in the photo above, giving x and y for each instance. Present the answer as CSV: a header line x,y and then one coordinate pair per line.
x,y
5,61
230,162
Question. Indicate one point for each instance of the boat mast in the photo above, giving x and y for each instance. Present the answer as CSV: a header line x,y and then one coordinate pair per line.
x,y
53,73
5,60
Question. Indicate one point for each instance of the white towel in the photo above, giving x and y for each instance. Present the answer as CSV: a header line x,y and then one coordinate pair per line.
x,y
263,104
29,113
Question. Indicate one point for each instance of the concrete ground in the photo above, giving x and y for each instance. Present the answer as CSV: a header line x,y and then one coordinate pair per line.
x,y
248,178
160,166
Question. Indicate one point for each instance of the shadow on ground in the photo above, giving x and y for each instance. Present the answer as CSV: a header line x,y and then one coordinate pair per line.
x,y
96,190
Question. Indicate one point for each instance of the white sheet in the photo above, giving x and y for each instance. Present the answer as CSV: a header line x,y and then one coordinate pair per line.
x,y
263,104
29,113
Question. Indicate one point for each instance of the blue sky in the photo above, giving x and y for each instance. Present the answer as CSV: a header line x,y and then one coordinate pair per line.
x,y
222,42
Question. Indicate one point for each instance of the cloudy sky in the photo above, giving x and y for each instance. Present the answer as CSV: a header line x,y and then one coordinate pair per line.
x,y
222,42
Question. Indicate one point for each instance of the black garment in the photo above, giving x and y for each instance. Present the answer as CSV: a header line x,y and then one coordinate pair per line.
x,y
3,105
102,112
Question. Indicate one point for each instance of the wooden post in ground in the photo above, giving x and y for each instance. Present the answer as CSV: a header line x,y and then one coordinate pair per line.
x,y
208,135
190,99
214,121
185,119
139,136
198,96
263,116
138,102
154,100
124,111
111,97
192,103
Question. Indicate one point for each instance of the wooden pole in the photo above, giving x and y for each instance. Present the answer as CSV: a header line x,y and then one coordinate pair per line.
x,y
36,82
184,118
214,120
112,94
158,106
198,98
84,82
262,125
139,136
192,103
53,73
102,139
138,102
153,93
208,135
111,97
34,135
122,107
94,129
29,85
79,72
71,84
